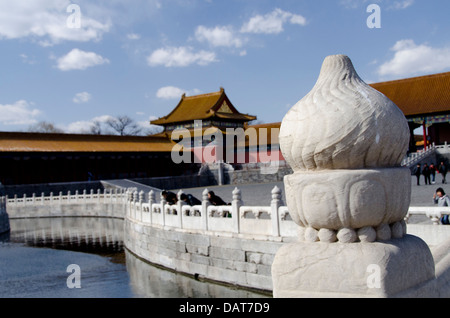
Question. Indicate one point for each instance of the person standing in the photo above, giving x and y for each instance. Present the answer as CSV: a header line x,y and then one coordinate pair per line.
x,y
417,172
426,174
433,173
441,199
443,171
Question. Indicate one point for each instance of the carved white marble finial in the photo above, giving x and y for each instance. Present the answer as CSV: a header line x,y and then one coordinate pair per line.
x,y
343,123
345,142
349,195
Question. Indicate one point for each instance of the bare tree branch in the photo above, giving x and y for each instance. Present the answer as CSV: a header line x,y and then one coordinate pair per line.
x,y
124,126
45,127
96,128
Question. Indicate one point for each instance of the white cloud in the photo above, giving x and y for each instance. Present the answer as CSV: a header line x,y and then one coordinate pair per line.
x,y
47,21
412,59
19,113
172,92
400,5
82,97
80,60
133,36
218,36
353,4
149,129
180,57
27,60
85,126
272,23
388,4
169,92
79,127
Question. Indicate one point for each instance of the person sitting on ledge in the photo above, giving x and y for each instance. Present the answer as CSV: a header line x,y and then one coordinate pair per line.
x,y
190,199
170,197
441,199
214,199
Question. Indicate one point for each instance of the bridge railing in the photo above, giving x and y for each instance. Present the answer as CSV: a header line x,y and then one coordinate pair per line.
x,y
273,220
445,148
414,158
433,213
2,200
236,218
116,195
2,205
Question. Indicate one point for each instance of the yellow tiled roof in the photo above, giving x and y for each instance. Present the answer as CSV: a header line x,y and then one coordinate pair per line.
x,y
419,95
202,107
269,128
40,142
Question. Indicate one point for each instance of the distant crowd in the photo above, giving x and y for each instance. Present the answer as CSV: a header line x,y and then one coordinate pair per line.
x,y
171,198
429,173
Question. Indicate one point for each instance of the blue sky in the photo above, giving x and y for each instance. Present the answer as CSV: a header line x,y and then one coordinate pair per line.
x,y
137,57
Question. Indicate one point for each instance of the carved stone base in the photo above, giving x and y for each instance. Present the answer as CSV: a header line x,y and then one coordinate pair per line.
x,y
395,268
353,199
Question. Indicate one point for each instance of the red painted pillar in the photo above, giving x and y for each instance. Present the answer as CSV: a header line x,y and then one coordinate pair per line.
x,y
424,136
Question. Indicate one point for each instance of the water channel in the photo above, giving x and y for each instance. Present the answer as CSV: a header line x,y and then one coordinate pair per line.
x,y
35,258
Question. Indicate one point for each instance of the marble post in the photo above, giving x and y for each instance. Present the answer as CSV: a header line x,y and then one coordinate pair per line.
x,y
349,195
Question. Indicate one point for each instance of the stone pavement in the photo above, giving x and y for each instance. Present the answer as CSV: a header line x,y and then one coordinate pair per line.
x,y
125,183
260,194
252,194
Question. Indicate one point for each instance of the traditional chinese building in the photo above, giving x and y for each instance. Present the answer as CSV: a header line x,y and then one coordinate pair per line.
x,y
198,122
425,101
214,110
27,158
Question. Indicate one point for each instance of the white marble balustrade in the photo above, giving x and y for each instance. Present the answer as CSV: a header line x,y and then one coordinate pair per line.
x,y
235,218
273,220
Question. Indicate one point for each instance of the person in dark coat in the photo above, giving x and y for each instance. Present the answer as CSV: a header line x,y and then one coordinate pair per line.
x,y
426,173
214,199
417,173
433,173
190,199
170,197
443,171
